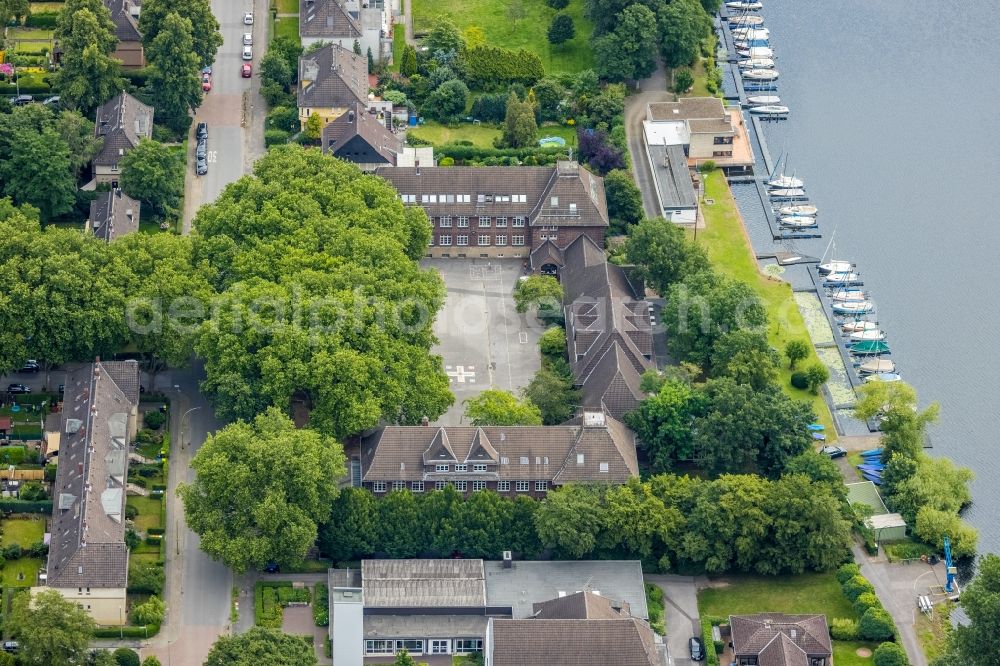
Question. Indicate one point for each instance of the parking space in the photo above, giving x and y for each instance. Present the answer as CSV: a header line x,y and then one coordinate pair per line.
x,y
482,338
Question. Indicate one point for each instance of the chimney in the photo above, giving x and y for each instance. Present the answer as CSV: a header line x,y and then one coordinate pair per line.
x,y
425,421
508,560
350,116
418,167
129,212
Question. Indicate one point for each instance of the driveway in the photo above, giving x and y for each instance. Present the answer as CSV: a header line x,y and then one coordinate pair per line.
x,y
649,90
680,596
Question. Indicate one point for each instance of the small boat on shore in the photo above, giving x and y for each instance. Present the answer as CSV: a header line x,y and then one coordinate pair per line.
x,y
770,110
872,453
877,366
745,5
868,476
786,193
884,377
835,266
804,210
853,308
869,348
755,52
785,182
795,222
845,295
859,325
861,336
760,74
746,20
757,63
816,427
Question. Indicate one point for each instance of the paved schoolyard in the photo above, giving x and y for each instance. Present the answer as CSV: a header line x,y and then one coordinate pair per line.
x,y
482,339
298,621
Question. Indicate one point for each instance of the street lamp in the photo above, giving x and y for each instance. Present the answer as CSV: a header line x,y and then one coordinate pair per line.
x,y
182,423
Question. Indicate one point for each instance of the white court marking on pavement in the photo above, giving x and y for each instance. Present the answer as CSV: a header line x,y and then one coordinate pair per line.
x,y
461,374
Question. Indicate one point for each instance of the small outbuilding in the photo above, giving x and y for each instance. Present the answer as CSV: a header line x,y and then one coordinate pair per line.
x,y
887,526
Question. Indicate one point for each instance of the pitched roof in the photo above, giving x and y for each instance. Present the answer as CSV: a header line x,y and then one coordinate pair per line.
x,y
341,136
113,214
583,605
399,453
423,583
603,310
780,640
566,194
332,77
87,548
623,642
613,383
121,122
126,24
328,19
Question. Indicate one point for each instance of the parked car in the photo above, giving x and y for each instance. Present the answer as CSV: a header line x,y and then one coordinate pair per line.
x,y
18,388
201,132
248,18
11,646
247,39
31,365
52,102
21,100
62,388
697,649
246,70
271,567
833,451
248,53
201,166
206,82
206,70
201,151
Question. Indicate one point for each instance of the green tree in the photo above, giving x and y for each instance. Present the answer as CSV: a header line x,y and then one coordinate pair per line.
x,y
13,10
126,657
474,37
972,644
552,342
683,25
151,661
355,348
408,61
876,625
403,658
501,408
101,658
519,127
52,630
483,522
624,199
313,129
274,66
89,74
206,36
150,612
747,357
904,427
554,395
259,646
541,291
438,511
357,47
570,518
351,531
39,172
816,376
284,118
174,82
933,525
816,466
154,174
78,134
636,520
561,29
551,98
447,102
683,80
663,254
937,483
629,52
795,351
890,654
398,513
260,491
663,423
444,37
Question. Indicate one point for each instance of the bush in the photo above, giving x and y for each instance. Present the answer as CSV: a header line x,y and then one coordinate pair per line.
x,y
150,612
890,654
145,578
137,77
654,605
12,552
38,549
288,595
490,66
553,342
126,657
23,506
447,162
42,20
12,455
857,586
154,419
848,571
800,380
490,108
321,605
843,629
275,137
711,655
876,625
131,513
866,601
32,491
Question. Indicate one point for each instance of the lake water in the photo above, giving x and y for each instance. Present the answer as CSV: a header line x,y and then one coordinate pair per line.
x,y
895,128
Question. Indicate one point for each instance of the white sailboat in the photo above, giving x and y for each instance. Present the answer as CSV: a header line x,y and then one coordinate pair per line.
x,y
860,336
751,33
747,20
797,222
745,5
857,325
787,193
770,110
844,295
785,182
757,63
756,52
763,100
804,209
876,366
760,74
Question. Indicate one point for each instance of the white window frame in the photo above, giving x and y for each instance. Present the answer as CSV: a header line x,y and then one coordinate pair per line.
x,y
518,221
439,646
604,468
399,485
444,240
501,222
517,241
500,240
463,221
503,486
463,198
441,467
478,486
483,222
462,240
461,645
525,460
541,486
483,240
440,485
444,221
461,468
378,486
479,467
461,486
579,458
416,486
522,486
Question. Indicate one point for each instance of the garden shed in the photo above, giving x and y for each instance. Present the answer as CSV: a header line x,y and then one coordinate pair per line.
x,y
888,526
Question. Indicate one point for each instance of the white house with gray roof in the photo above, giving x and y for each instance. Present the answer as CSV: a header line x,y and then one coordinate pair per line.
x,y
345,22
88,559
120,123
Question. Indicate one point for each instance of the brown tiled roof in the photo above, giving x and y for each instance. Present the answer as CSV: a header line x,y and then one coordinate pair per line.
x,y
87,548
566,194
546,253
622,642
126,25
613,384
121,123
332,77
580,606
780,640
328,19
360,131
399,453
423,583
113,214
687,108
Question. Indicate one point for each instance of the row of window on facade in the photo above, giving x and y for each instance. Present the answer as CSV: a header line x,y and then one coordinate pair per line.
x,y
460,486
480,199
462,221
504,460
482,240
419,646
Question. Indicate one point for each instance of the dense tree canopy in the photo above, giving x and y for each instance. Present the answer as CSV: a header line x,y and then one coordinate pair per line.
x,y
629,51
519,126
561,29
539,291
447,102
174,83
89,74
154,174
501,408
683,26
206,36
260,646
322,298
663,423
663,255
261,490
624,199
551,390
52,630
974,644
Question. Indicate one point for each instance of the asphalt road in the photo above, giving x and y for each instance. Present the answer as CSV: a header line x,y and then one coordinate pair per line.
x,y
680,595
652,89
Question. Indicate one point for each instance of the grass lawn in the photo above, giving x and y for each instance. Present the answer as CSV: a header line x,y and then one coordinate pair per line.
x,y
933,631
26,567
515,24
845,653
288,27
398,44
287,6
731,254
23,531
45,7
149,512
480,135
34,34
803,593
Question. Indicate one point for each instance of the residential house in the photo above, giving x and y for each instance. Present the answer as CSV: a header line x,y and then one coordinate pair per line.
x,y
359,136
704,127
445,607
113,214
88,559
609,333
125,15
346,22
121,123
332,81
511,460
776,639
579,629
503,211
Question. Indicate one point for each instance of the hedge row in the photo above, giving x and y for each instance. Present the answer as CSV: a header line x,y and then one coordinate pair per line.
x,y
290,595
711,655
127,632
321,605
875,624
42,20
460,152
493,66
25,506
